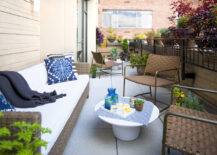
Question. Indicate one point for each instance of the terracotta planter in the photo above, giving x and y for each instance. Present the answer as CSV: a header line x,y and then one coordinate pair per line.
x,y
139,107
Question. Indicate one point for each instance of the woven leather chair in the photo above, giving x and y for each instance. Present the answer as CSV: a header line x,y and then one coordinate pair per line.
x,y
190,131
160,71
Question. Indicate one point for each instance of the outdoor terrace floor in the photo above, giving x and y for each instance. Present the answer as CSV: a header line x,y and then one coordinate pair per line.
x,y
91,136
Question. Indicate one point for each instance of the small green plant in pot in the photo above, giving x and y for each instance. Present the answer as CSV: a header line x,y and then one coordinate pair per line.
x,y
138,104
114,53
139,61
23,139
93,70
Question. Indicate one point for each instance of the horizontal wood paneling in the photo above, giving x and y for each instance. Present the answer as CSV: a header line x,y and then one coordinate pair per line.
x,y
19,34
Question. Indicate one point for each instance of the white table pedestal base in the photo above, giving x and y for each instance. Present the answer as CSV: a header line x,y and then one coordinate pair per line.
x,y
126,133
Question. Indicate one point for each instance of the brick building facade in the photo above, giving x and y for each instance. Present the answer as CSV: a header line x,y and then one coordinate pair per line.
x,y
160,11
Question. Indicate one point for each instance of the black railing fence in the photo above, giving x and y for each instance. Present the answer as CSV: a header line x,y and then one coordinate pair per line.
x,y
202,53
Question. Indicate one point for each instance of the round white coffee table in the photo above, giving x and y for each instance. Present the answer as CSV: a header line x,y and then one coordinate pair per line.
x,y
126,130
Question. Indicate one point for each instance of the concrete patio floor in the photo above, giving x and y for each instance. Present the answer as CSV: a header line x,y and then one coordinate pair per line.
x,y
91,136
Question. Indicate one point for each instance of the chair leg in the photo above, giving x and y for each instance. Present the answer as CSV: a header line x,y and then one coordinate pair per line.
x,y
124,87
150,91
168,150
155,95
163,150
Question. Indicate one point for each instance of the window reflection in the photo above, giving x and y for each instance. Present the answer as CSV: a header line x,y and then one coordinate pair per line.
x,y
127,19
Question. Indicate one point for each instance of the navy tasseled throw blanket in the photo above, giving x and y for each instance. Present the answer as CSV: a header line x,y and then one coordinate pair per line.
x,y
18,93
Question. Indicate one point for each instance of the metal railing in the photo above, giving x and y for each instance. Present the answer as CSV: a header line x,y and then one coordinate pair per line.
x,y
191,51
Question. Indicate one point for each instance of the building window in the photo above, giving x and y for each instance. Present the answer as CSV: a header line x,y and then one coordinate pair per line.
x,y
127,19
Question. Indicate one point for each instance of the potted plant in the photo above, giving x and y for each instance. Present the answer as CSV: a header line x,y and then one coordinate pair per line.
x,y
139,61
124,56
93,70
25,139
111,35
114,54
120,39
138,104
188,101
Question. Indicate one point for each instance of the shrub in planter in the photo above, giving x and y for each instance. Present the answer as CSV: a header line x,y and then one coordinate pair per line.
x,y
25,140
202,20
139,61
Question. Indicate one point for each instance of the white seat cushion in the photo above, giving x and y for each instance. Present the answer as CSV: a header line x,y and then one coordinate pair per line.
x,y
54,115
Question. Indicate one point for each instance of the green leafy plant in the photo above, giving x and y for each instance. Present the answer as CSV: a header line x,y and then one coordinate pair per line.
x,y
111,35
93,70
138,104
125,45
138,59
125,54
164,32
192,102
183,22
114,53
189,101
25,140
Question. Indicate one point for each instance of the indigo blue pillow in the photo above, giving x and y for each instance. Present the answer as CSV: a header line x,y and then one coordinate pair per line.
x,y
59,69
4,104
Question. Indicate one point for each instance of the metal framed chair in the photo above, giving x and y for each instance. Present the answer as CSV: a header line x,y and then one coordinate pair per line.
x,y
160,71
190,131
99,60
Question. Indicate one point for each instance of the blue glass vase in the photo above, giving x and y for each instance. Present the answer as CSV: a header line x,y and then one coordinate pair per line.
x,y
114,96
108,102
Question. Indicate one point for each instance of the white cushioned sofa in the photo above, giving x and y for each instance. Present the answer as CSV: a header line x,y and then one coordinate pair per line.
x,y
60,116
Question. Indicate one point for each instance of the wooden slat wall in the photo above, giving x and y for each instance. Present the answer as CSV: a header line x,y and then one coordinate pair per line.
x,y
19,34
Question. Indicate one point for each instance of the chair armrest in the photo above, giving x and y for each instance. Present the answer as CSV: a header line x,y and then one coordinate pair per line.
x,y
195,88
166,70
191,88
83,67
214,122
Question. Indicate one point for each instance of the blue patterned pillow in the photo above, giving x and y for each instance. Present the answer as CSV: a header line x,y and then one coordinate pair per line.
x,y
4,104
59,69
